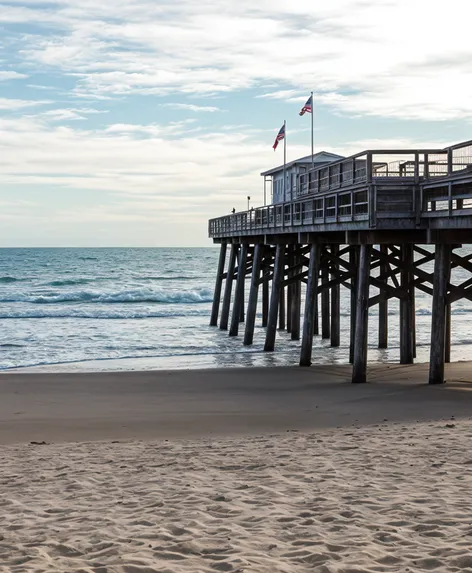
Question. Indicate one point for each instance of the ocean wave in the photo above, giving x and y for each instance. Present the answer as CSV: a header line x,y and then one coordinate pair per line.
x,y
70,282
117,359
140,295
8,280
96,314
166,278
88,259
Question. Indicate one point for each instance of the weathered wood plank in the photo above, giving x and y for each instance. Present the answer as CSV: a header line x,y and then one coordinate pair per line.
x,y
383,303
442,269
228,287
274,299
253,294
218,284
238,301
309,318
335,301
359,370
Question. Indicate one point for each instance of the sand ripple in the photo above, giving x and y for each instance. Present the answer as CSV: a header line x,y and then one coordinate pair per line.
x,y
373,499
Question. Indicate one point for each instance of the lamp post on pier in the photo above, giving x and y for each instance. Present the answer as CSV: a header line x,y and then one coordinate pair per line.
x,y
248,199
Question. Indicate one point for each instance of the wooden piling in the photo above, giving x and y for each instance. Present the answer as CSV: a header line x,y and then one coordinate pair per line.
x,y
353,258
289,288
310,298
383,304
359,371
218,284
282,309
265,298
252,303
442,270
296,297
335,300
325,324
413,315
241,310
447,347
239,292
406,327
275,298
228,287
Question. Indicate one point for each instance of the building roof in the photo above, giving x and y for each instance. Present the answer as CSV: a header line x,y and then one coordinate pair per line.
x,y
321,157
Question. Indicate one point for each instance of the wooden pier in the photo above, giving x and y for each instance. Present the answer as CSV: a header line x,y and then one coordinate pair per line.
x,y
365,223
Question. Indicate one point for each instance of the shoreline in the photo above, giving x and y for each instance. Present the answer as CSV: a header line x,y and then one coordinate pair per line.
x,y
154,405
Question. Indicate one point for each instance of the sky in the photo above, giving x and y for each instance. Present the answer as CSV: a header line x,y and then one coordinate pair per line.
x,y
132,122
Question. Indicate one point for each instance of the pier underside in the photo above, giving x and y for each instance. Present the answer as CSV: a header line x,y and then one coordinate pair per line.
x,y
297,278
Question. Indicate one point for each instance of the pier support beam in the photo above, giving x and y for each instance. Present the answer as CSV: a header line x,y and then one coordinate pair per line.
x,y
447,349
383,304
406,310
296,297
442,271
265,298
359,371
252,303
335,300
353,258
228,287
218,284
310,299
282,309
290,259
238,302
275,298
325,325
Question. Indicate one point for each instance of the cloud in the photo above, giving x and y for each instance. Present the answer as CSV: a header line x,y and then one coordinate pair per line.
x,y
7,104
347,51
191,107
4,76
70,114
281,94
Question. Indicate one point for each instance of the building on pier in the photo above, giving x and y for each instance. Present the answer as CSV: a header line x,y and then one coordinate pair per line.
x,y
292,171
360,223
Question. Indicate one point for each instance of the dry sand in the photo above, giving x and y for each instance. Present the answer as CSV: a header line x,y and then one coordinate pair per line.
x,y
289,494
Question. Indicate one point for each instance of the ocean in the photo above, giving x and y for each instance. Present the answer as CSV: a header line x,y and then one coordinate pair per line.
x,y
65,309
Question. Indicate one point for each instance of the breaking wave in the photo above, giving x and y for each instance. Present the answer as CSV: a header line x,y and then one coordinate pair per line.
x,y
139,295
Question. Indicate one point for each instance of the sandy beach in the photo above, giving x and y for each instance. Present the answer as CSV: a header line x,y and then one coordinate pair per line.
x,y
271,470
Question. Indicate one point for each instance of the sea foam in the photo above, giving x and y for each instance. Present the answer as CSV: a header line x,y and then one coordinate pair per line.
x,y
137,295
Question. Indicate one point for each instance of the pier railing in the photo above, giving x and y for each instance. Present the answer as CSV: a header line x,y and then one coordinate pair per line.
x,y
367,186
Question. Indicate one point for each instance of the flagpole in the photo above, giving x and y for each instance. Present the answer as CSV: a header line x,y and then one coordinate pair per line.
x,y
285,160
312,136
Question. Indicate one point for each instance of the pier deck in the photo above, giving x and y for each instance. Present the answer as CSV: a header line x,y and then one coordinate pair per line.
x,y
359,223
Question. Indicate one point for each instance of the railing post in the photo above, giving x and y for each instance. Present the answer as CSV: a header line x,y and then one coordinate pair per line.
x,y
449,162
426,166
369,167
449,198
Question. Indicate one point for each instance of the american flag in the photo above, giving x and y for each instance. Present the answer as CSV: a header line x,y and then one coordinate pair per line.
x,y
308,107
279,137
